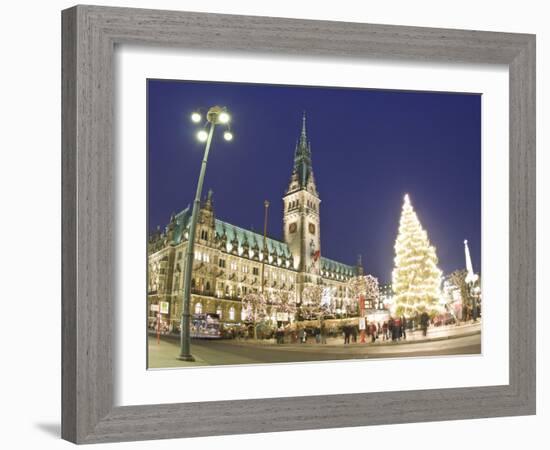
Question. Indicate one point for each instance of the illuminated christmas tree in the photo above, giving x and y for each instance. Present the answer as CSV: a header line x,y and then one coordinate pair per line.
x,y
416,277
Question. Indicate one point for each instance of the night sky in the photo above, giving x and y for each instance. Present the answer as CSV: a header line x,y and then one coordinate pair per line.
x,y
369,148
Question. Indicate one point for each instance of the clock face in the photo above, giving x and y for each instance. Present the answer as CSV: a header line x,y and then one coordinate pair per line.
x,y
312,228
292,227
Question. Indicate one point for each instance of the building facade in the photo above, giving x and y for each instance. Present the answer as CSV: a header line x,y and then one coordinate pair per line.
x,y
230,261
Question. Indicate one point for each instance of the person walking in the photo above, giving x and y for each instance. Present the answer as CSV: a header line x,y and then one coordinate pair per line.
x,y
373,332
281,335
385,331
391,328
404,326
397,326
323,332
347,333
424,321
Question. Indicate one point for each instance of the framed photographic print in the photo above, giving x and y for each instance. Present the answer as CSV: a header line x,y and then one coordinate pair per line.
x,y
265,229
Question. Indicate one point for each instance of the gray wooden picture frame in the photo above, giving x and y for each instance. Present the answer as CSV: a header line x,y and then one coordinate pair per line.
x,y
90,34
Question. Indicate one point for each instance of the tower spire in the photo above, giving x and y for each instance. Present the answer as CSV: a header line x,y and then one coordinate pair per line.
x,y
302,156
303,135
302,173
471,276
359,265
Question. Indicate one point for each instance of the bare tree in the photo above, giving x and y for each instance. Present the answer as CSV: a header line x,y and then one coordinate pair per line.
x,y
372,291
365,286
255,307
458,280
316,303
283,301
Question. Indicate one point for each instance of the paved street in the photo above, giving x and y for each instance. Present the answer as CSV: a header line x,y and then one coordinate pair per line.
x,y
227,352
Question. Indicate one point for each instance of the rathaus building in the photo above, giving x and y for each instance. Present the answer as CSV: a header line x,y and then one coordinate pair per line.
x,y
229,260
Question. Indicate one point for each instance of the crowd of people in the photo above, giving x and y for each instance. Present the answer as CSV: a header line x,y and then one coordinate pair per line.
x,y
393,329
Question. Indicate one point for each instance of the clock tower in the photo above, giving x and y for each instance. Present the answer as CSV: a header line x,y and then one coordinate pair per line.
x,y
301,204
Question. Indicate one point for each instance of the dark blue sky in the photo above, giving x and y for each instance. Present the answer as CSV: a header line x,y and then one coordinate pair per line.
x,y
369,148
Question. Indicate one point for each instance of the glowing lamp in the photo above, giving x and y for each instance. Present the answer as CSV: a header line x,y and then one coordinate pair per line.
x,y
202,135
224,117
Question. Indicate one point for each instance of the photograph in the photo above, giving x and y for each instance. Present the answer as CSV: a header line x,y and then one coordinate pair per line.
x,y
298,224
268,225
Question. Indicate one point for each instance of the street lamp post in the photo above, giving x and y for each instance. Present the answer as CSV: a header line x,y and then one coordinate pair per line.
x,y
216,115
264,245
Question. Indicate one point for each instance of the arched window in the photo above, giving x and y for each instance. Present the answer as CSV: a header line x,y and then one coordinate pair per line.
x,y
198,308
219,311
231,313
208,286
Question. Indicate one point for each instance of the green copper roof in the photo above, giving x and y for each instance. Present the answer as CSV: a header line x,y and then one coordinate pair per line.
x,y
251,238
337,267
182,222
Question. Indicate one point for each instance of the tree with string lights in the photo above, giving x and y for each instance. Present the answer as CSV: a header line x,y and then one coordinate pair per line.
x,y
365,286
284,301
255,308
312,306
416,277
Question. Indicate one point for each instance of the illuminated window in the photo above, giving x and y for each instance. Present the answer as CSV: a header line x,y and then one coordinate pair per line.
x,y
198,308
231,313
